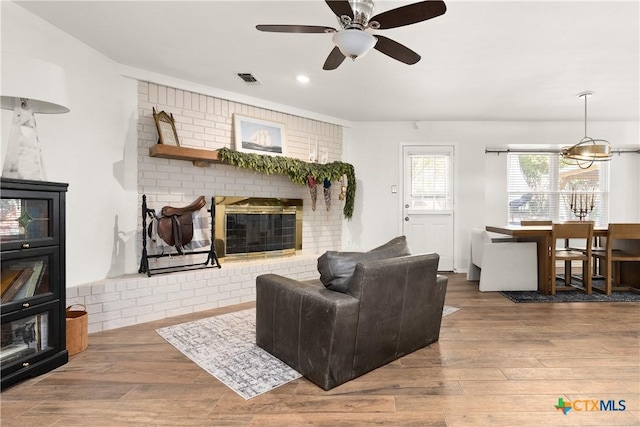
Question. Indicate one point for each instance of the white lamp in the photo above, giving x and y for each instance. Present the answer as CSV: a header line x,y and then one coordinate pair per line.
x,y
29,86
354,43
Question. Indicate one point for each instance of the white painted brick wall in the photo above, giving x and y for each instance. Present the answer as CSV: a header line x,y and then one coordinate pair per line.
x,y
207,122
129,300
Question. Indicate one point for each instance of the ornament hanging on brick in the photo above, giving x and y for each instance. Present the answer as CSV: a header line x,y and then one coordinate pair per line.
x,y
343,189
313,190
327,193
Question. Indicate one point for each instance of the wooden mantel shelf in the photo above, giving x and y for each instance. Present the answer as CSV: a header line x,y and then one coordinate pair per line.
x,y
199,157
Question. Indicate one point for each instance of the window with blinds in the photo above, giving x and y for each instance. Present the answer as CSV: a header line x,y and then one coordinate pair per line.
x,y
431,182
542,186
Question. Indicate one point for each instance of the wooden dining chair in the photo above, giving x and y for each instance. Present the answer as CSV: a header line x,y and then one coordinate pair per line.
x,y
579,246
623,245
566,231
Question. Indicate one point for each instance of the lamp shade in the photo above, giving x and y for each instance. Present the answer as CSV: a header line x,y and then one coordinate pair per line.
x,y
588,150
43,84
354,43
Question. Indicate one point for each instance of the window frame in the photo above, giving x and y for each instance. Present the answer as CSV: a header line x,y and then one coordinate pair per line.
x,y
561,181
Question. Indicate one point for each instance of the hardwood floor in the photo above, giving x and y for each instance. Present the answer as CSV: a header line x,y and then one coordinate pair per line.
x,y
497,364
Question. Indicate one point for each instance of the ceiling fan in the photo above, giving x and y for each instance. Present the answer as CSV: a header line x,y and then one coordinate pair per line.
x,y
354,17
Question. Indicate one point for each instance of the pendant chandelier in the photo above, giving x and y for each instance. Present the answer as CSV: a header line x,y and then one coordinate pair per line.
x,y
588,150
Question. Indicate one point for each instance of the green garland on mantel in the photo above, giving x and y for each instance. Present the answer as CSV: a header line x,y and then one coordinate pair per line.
x,y
297,171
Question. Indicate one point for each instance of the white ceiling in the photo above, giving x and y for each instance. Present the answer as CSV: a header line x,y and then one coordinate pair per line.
x,y
503,60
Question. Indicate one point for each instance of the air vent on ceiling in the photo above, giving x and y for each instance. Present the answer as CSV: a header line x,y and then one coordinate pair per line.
x,y
249,78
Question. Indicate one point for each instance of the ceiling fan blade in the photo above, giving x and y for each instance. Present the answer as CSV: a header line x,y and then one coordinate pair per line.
x,y
396,50
410,14
334,59
341,7
295,29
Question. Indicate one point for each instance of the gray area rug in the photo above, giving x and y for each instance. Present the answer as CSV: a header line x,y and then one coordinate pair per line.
x,y
225,347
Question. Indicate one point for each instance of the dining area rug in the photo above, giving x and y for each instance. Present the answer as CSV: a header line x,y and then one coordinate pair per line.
x,y
577,295
570,296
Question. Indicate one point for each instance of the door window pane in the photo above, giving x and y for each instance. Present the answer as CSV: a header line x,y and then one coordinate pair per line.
x,y
430,183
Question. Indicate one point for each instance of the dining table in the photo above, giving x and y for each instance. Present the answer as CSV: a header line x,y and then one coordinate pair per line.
x,y
541,235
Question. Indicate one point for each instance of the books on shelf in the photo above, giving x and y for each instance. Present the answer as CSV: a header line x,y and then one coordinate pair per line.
x,y
29,288
16,285
14,351
8,276
42,331
22,282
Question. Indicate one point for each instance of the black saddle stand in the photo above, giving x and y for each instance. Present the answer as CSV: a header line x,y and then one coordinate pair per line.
x,y
212,257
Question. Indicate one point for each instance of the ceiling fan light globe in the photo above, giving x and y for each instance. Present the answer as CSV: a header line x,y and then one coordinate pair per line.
x,y
354,43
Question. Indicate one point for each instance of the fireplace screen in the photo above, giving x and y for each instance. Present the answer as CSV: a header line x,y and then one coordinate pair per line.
x,y
257,227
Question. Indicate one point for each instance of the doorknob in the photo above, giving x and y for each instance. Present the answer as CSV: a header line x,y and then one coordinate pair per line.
x,y
406,218
406,206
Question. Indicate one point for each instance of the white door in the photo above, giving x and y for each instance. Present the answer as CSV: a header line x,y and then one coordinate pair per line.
x,y
427,208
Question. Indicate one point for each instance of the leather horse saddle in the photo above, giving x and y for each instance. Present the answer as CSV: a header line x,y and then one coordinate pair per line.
x,y
175,225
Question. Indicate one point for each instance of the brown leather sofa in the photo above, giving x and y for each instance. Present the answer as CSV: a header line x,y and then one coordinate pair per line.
x,y
389,308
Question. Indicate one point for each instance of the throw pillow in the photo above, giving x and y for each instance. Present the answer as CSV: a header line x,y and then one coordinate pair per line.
x,y
336,268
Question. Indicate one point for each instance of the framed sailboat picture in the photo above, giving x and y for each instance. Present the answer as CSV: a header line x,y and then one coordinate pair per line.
x,y
259,136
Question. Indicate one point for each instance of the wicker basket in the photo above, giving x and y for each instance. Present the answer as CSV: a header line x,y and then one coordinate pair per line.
x,y
77,329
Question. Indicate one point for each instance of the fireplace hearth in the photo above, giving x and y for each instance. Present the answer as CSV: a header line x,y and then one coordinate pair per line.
x,y
256,227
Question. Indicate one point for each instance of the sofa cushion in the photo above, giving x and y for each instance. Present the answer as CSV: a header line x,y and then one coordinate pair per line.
x,y
336,268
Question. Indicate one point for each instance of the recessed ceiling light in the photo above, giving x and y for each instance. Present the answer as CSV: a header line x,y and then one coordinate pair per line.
x,y
302,79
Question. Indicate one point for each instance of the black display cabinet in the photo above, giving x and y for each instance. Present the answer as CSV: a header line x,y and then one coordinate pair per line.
x,y
32,241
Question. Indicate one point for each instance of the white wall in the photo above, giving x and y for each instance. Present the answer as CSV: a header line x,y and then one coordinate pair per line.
x,y
93,147
480,179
